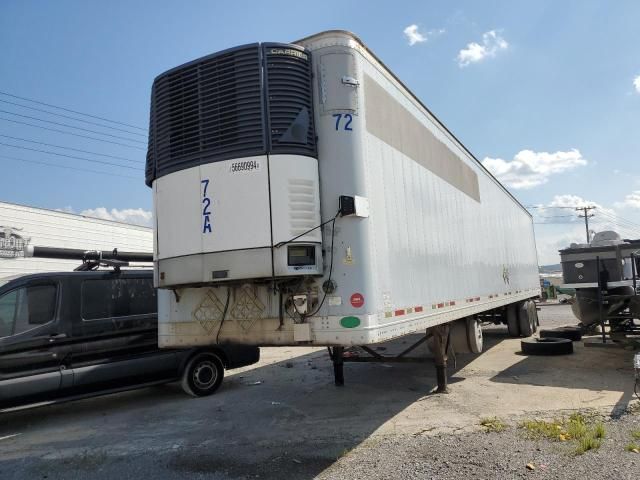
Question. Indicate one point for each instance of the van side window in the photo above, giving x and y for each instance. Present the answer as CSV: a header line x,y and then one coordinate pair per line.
x,y
26,308
117,297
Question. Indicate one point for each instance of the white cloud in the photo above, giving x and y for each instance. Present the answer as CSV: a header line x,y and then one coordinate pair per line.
x,y
636,83
492,43
529,169
413,34
631,200
558,224
134,216
551,239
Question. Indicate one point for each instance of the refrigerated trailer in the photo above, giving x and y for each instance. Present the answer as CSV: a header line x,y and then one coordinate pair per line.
x,y
304,196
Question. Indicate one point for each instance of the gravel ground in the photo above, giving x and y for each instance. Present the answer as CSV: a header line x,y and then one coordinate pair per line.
x,y
477,455
491,456
284,419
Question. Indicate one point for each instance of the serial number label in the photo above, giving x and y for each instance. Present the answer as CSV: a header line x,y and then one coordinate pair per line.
x,y
245,166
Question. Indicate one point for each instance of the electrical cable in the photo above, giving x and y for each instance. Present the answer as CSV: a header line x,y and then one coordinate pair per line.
x,y
67,167
73,118
281,244
72,126
70,156
69,110
619,219
333,234
224,313
73,149
71,133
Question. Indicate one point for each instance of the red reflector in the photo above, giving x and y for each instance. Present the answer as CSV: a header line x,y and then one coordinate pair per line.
x,y
418,309
399,312
440,305
452,303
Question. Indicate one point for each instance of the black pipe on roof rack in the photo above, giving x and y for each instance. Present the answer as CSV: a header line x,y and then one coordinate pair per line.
x,y
79,254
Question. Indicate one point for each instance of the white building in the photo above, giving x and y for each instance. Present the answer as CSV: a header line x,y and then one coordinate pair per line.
x,y
21,225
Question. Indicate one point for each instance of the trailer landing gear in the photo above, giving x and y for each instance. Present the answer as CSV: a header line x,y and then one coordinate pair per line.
x,y
439,344
337,357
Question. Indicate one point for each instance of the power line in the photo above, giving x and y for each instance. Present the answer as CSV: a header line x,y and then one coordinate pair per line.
x,y
612,225
69,156
608,219
619,218
73,149
66,167
72,111
71,133
72,126
544,207
73,118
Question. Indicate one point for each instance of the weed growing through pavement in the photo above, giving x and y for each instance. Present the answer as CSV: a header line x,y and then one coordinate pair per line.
x,y
577,428
493,424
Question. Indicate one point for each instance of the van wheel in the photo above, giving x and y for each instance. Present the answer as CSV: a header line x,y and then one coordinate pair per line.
x,y
202,375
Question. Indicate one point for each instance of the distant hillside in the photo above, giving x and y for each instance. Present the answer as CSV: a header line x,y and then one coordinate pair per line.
x,y
550,268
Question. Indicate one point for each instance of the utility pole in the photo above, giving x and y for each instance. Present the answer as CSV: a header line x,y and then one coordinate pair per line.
x,y
586,217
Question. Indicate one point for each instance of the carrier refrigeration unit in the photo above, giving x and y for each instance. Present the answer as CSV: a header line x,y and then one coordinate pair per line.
x,y
304,196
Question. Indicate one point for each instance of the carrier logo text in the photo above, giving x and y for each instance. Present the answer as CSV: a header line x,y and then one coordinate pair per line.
x,y
289,51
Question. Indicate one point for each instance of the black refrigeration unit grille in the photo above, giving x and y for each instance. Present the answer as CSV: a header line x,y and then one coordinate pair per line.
x,y
213,108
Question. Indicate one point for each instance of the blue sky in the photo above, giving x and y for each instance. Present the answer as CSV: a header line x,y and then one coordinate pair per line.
x,y
543,90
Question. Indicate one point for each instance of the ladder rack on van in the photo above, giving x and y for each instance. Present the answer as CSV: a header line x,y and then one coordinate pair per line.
x,y
91,259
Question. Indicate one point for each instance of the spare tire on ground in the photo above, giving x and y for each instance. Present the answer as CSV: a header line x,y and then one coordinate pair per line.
x,y
546,346
572,333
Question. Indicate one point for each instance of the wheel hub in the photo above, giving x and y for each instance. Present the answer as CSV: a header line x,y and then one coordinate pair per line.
x,y
204,375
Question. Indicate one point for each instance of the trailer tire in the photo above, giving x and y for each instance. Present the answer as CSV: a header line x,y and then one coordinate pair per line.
x,y
546,346
474,335
533,315
572,333
524,319
202,375
513,327
465,336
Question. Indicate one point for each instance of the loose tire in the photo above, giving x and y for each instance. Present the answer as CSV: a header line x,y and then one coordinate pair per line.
x,y
513,326
546,346
524,319
203,374
571,333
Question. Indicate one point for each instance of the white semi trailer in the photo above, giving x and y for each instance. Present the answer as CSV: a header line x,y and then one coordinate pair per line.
x,y
304,196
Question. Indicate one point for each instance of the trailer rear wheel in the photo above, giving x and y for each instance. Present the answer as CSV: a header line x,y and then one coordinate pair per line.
x,y
533,315
524,319
513,326
465,336
474,335
546,346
